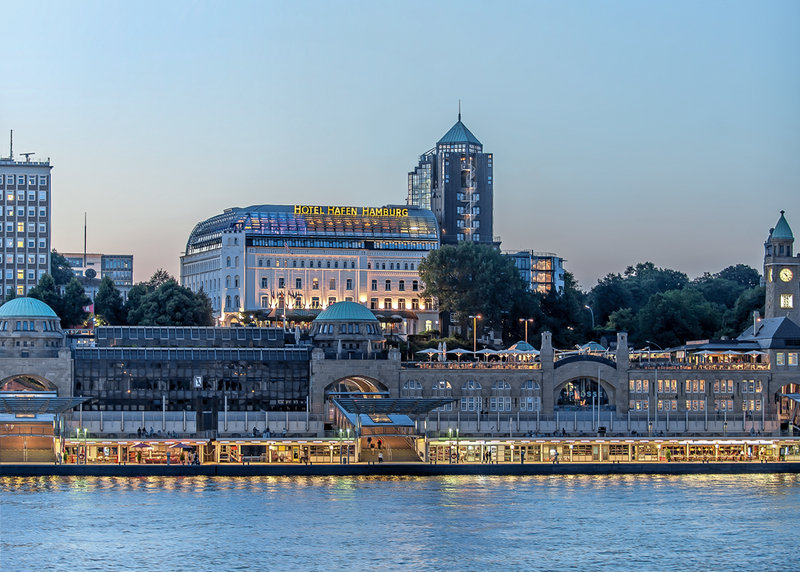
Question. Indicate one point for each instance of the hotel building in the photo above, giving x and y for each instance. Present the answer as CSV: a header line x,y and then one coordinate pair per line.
x,y
25,190
291,261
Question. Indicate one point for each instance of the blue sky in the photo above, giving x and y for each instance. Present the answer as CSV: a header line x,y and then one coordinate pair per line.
x,y
622,131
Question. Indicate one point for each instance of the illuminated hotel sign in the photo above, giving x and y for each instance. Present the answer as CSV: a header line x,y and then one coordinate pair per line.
x,y
350,211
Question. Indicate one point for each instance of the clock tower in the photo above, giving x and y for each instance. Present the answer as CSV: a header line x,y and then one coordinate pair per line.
x,y
782,273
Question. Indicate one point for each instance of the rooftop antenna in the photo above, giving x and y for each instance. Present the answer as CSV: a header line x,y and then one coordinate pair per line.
x,y
27,156
84,240
11,156
459,109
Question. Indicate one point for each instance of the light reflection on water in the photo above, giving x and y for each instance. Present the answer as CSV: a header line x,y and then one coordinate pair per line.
x,y
644,522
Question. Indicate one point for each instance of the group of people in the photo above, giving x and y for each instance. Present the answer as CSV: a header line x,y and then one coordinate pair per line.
x,y
142,432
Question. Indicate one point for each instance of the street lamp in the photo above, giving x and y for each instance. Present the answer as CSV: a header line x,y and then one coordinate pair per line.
x,y
655,344
525,321
474,319
592,311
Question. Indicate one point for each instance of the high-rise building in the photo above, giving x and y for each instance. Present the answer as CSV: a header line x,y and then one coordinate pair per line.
x,y
25,188
454,180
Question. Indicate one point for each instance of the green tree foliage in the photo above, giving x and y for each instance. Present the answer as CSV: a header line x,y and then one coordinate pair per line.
x,y
73,301
108,303
47,292
471,279
564,315
60,269
673,317
163,302
742,274
740,317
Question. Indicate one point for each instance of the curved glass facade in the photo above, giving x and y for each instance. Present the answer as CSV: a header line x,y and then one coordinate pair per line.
x,y
272,225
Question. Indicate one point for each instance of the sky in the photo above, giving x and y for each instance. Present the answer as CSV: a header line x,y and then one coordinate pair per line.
x,y
622,131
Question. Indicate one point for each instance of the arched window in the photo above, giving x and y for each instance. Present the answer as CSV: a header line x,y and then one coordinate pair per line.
x,y
236,262
582,393
471,396
530,396
236,301
236,281
228,261
227,302
411,388
501,396
227,281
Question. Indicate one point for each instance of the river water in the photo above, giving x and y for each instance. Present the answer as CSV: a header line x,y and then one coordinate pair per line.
x,y
639,522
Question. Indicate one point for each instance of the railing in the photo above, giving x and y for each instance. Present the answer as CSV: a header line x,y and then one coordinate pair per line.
x,y
691,366
471,365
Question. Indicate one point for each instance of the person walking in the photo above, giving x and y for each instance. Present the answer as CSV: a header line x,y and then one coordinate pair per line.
x,y
555,458
380,457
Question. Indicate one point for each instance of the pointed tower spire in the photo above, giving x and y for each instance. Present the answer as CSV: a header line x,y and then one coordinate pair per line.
x,y
459,109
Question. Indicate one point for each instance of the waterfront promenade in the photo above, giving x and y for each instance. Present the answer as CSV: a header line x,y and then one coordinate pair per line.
x,y
395,469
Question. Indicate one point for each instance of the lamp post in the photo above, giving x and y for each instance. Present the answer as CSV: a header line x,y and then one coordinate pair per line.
x,y
592,311
525,321
474,319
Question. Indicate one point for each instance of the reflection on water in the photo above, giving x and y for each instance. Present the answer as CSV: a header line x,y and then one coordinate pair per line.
x,y
641,522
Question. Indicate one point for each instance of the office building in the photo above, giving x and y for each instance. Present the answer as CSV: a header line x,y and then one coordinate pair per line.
x,y
541,271
454,180
118,267
25,188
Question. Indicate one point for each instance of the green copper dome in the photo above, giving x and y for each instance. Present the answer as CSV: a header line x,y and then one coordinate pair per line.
x,y
26,308
346,312
782,230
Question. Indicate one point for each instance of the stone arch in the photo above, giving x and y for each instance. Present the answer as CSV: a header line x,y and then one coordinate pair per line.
x,y
355,384
27,382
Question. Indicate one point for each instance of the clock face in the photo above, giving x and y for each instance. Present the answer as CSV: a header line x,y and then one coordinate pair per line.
x,y
785,274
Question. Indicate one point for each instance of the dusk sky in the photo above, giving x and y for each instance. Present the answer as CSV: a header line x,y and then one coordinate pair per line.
x,y
622,131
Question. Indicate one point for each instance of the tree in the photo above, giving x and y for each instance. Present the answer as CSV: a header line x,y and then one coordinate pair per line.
x,y
564,314
471,279
673,317
47,292
60,269
108,303
163,302
740,317
73,301
742,274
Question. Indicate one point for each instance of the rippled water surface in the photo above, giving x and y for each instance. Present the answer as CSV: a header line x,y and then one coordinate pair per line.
x,y
442,523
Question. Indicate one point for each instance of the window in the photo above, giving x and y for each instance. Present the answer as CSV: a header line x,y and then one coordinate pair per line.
x,y
792,358
373,303
236,281
228,262
374,285
388,286
401,304
264,282
332,284
349,284
415,303
315,283
281,282
780,358
787,301
415,285
401,285
298,283
667,386
331,300
387,303
264,301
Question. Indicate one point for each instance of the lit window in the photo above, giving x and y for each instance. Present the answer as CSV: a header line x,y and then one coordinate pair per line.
x,y
787,301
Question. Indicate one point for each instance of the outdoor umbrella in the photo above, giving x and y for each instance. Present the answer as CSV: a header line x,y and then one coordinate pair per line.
x,y
459,352
430,352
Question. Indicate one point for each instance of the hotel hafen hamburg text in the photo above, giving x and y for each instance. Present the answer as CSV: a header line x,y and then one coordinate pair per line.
x,y
296,260
344,382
